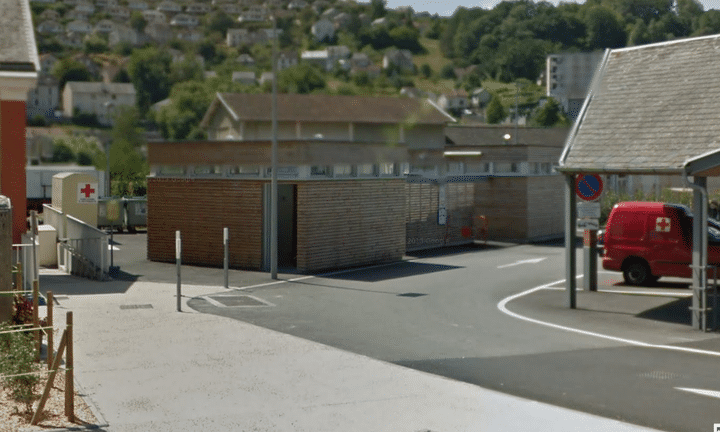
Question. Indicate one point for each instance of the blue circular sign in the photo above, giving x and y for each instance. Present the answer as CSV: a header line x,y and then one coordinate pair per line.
x,y
588,186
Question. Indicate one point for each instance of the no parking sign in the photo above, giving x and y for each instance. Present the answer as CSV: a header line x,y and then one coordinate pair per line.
x,y
588,187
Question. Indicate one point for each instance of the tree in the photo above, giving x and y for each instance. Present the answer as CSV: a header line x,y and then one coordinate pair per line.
x,y
604,29
188,103
68,69
95,45
495,112
425,70
550,114
128,168
138,21
149,70
220,22
302,78
377,9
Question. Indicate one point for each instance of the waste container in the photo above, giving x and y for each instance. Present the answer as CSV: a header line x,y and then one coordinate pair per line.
x,y
110,212
135,212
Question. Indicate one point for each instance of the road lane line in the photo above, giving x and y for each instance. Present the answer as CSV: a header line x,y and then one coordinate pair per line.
x,y
709,393
502,306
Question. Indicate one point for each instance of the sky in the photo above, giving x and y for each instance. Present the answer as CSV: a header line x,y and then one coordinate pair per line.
x,y
447,7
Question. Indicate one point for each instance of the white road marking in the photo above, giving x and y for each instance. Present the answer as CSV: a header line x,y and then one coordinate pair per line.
x,y
649,293
710,393
502,306
527,261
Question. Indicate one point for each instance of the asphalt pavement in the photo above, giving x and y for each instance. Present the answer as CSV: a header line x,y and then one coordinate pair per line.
x,y
146,366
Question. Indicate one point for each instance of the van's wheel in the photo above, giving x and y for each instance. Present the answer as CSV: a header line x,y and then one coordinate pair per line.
x,y
637,273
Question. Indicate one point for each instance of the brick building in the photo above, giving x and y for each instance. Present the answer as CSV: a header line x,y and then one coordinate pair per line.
x,y
342,166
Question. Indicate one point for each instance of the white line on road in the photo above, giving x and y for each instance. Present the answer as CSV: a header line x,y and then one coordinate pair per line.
x,y
527,261
502,305
710,393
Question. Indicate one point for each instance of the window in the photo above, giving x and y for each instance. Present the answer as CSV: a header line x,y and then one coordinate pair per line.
x,y
320,171
342,170
173,170
366,170
244,170
477,168
506,167
207,170
386,169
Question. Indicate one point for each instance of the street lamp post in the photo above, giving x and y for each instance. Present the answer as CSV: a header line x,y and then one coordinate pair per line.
x,y
274,178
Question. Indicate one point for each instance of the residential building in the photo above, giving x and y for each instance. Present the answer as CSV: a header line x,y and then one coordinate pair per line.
x,y
138,5
287,59
569,77
154,16
159,32
480,98
98,98
85,7
454,101
360,60
341,21
256,13
323,30
297,4
19,65
79,26
105,26
49,15
230,8
50,27
125,34
169,7
44,98
184,20
120,13
47,63
265,77
401,59
190,35
198,8
245,60
320,58
244,77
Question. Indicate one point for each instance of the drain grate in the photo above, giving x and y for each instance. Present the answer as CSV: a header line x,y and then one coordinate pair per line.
x,y
659,375
136,306
236,301
411,295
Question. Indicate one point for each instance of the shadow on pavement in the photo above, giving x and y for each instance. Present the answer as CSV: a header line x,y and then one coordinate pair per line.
x,y
673,312
456,250
393,271
73,285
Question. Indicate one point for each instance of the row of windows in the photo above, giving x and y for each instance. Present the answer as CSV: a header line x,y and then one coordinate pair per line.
x,y
359,170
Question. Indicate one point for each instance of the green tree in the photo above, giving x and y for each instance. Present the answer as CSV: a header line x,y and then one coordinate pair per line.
x,y
425,70
495,112
128,168
138,21
68,69
62,153
95,45
149,70
220,22
188,103
550,114
377,9
604,29
302,78
404,37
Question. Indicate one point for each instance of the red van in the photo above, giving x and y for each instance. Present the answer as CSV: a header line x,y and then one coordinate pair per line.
x,y
647,240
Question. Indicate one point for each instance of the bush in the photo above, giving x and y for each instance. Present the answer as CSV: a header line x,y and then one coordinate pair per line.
x,y
17,356
62,153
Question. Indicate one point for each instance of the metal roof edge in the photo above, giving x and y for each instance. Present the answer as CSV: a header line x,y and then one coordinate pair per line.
x,y
703,162
227,107
599,73
664,43
636,171
442,111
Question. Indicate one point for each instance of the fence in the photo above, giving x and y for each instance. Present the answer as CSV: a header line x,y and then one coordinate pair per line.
x,y
83,249
53,357
22,255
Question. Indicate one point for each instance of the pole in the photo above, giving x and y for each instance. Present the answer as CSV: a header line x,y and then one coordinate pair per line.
x,y
274,179
178,248
36,318
590,255
570,259
33,235
226,260
51,330
69,382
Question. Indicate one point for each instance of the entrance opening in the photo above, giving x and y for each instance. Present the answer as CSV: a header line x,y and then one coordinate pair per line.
x,y
287,226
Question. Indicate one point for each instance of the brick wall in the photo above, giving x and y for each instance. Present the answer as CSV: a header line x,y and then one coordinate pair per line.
x,y
546,206
349,223
504,201
200,208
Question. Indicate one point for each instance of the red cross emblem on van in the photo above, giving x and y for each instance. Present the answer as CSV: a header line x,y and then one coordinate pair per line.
x,y
662,224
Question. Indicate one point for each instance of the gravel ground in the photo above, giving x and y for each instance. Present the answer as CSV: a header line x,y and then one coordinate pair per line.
x,y
13,417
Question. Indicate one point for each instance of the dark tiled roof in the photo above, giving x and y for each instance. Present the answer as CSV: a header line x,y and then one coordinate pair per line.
x,y
653,107
487,135
357,109
18,52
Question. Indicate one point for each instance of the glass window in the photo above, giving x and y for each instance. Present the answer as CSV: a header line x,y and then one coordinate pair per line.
x,y
366,170
342,170
386,169
506,167
172,170
245,170
320,171
207,170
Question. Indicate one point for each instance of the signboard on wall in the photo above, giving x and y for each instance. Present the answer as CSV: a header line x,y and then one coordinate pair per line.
x,y
87,193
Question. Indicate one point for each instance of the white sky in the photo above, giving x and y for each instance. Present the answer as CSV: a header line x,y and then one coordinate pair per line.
x,y
447,7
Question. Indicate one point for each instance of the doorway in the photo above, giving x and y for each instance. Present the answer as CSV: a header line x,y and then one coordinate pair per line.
x,y
287,226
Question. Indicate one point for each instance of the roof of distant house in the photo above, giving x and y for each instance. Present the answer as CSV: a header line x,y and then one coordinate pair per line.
x,y
356,109
18,52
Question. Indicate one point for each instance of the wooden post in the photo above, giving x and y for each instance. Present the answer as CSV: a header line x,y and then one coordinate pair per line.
x,y
69,383
51,380
36,319
51,331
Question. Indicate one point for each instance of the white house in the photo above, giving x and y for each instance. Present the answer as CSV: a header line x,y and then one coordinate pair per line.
x,y
79,26
123,33
287,59
98,98
400,58
85,7
245,60
322,30
197,8
244,77
455,100
256,13
297,4
480,98
265,77
184,20
318,57
230,8
49,14
159,32
47,62
569,77
105,26
138,5
118,12
44,99
154,16
169,7
50,27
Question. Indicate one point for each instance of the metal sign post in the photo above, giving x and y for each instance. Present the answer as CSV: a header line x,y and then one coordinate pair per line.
x,y
226,260
178,254
589,187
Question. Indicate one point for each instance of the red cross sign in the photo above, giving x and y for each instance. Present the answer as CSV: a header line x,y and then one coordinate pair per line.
x,y
87,192
662,224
